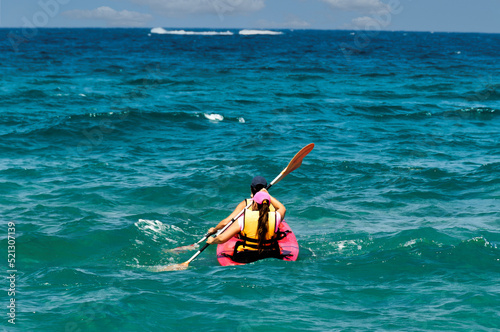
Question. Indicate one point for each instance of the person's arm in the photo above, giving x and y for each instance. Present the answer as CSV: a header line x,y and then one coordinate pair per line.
x,y
277,205
224,237
224,222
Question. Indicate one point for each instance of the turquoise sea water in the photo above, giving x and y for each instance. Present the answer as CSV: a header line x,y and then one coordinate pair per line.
x,y
117,145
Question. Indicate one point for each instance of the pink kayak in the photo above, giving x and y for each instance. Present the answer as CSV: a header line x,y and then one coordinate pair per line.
x,y
289,248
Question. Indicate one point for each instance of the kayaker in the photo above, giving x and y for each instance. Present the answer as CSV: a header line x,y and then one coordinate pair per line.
x,y
258,183
257,229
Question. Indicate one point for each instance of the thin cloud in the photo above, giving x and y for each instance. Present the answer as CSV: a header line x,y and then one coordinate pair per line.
x,y
112,17
292,22
364,6
217,7
366,23
376,14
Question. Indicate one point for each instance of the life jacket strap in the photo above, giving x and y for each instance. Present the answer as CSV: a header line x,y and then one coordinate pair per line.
x,y
248,239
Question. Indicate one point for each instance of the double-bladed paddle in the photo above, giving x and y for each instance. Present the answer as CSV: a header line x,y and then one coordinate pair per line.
x,y
292,166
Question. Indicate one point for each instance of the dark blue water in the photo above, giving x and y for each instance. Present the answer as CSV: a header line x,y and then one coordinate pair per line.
x,y
118,145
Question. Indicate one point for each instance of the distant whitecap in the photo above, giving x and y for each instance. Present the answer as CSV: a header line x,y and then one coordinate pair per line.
x,y
162,31
247,32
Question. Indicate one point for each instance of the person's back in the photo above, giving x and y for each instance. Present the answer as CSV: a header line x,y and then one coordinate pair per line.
x,y
258,183
256,228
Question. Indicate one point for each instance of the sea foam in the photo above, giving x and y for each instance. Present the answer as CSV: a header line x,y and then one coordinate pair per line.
x,y
214,117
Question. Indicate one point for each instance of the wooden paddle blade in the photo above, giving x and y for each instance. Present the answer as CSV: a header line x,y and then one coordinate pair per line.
x,y
297,159
294,163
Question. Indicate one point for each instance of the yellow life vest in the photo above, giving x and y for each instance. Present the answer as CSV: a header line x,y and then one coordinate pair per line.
x,y
249,234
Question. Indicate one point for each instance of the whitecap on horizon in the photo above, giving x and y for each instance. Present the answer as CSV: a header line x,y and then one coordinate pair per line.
x,y
162,31
248,32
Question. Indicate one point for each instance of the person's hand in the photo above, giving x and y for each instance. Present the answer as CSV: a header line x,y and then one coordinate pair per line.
x,y
265,190
212,230
210,240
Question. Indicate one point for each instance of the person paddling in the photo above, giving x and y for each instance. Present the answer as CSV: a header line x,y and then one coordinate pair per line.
x,y
257,228
258,183
292,249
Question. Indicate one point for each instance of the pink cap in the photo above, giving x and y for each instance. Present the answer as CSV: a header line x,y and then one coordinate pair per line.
x,y
261,196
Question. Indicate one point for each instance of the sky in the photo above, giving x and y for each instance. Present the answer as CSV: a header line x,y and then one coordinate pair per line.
x,y
392,15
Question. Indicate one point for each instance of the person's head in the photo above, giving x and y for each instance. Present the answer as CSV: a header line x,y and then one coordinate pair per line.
x,y
258,183
263,200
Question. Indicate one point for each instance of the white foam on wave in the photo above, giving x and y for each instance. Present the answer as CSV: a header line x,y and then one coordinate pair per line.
x,y
341,245
411,242
481,239
156,229
154,226
249,32
214,117
162,31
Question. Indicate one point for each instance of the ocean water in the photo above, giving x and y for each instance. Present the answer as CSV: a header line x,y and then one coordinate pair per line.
x,y
118,145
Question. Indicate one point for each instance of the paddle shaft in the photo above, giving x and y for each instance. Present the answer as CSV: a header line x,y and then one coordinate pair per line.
x,y
219,232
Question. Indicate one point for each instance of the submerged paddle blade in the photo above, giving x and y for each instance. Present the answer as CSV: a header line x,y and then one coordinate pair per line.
x,y
183,266
174,267
294,163
182,249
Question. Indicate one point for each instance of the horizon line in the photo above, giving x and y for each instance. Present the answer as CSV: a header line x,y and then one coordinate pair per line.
x,y
278,29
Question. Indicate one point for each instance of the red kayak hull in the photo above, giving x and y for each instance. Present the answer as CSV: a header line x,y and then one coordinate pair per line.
x,y
288,246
